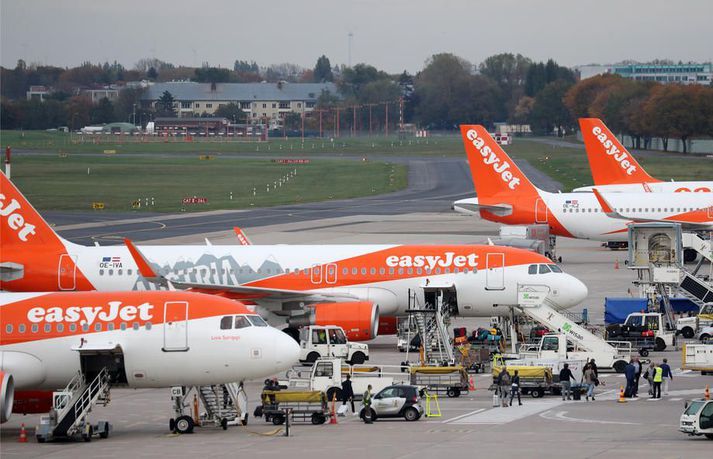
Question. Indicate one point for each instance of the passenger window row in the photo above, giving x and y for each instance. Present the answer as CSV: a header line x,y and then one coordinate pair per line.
x,y
634,209
73,327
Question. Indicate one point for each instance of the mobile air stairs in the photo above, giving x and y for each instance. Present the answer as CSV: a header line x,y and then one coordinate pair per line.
x,y
224,405
71,407
572,341
431,323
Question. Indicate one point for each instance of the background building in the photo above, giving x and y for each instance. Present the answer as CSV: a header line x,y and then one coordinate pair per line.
x,y
690,73
261,101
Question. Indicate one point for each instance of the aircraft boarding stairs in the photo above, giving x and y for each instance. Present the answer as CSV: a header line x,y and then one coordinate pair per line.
x,y
71,406
695,241
224,404
431,325
695,289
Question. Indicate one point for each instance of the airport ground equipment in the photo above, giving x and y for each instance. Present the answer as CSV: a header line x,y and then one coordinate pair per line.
x,y
570,340
697,418
326,375
691,326
431,321
71,407
534,380
225,404
450,380
306,406
698,357
705,335
318,342
536,238
474,358
646,331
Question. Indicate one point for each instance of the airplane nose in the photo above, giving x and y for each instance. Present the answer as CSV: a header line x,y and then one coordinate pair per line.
x,y
576,292
287,351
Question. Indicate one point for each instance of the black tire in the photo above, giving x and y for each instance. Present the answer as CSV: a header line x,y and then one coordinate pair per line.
x,y
411,414
660,345
105,431
317,419
688,332
244,422
357,358
371,414
184,425
40,439
278,419
537,393
619,366
332,391
689,255
453,392
643,352
224,424
172,425
293,333
709,436
258,411
312,357
705,337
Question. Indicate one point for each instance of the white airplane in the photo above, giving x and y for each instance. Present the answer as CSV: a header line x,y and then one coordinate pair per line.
x,y
144,339
361,288
614,169
505,195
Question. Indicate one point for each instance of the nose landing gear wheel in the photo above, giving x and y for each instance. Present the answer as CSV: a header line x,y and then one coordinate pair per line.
x,y
184,425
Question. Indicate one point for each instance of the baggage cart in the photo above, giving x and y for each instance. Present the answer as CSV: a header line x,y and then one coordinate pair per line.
x,y
303,406
452,381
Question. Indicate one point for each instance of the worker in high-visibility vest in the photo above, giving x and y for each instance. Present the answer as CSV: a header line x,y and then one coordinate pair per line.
x,y
658,379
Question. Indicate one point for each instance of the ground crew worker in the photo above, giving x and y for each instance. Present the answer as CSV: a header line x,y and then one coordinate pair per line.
x,y
348,392
566,378
515,388
658,379
366,400
667,375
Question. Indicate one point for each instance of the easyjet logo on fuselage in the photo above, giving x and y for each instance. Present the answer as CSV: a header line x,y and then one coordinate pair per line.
x,y
492,159
446,260
15,220
87,315
613,151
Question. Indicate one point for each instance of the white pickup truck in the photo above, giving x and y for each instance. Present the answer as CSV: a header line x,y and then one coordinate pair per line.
x,y
326,375
321,342
556,347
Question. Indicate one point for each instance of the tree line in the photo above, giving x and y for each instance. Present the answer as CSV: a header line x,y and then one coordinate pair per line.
x,y
447,91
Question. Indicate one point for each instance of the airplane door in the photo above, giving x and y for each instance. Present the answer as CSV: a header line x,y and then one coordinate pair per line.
x,y
175,326
316,274
495,271
540,211
331,274
67,272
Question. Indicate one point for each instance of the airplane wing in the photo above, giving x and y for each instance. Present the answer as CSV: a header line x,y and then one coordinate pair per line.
x,y
242,237
472,206
233,291
609,211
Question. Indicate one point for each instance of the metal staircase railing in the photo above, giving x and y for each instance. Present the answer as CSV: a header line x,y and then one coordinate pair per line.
x,y
695,289
72,414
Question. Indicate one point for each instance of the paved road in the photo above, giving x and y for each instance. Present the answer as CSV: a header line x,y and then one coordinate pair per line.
x,y
434,183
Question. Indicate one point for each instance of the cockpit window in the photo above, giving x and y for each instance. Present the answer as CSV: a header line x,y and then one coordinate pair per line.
x,y
241,322
555,268
544,269
226,323
257,321
532,269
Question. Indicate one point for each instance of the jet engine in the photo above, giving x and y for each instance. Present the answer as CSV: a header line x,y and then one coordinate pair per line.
x,y
359,319
7,395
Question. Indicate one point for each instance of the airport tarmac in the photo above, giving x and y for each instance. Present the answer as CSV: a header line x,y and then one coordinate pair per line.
x,y
468,426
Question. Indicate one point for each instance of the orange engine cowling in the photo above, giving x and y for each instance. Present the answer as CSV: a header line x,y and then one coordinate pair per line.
x,y
7,394
32,402
359,319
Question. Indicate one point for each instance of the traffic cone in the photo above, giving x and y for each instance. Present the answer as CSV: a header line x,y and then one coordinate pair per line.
x,y
471,384
616,264
333,417
707,393
23,434
621,395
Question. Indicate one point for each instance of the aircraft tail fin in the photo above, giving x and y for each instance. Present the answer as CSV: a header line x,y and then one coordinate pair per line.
x,y
494,173
610,162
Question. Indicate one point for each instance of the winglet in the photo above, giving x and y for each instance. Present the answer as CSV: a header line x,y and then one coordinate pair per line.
x,y
141,262
606,208
242,237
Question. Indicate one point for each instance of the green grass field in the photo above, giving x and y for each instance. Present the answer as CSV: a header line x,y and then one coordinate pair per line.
x,y
75,182
118,179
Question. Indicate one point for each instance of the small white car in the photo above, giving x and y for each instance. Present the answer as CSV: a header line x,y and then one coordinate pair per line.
x,y
697,418
395,402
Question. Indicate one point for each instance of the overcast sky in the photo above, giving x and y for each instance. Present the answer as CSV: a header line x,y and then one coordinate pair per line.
x,y
393,35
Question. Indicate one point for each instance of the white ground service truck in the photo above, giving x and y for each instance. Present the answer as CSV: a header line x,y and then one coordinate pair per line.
x,y
326,375
697,418
691,326
321,342
698,357
645,330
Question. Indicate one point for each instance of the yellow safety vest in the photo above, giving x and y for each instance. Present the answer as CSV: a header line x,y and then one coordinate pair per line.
x,y
658,374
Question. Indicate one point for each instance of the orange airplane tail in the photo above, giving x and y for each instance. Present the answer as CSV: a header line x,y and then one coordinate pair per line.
x,y
32,256
495,174
610,162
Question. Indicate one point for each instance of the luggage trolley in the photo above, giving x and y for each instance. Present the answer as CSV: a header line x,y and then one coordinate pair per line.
x,y
303,406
